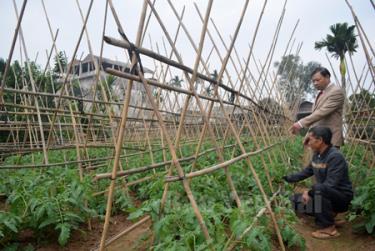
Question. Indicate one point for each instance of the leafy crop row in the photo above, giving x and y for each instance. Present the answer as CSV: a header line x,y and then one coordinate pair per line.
x,y
54,202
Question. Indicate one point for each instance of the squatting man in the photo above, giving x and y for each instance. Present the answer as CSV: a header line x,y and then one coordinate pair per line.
x,y
332,192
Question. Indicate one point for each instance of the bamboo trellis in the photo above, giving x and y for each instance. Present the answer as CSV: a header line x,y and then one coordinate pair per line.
x,y
156,115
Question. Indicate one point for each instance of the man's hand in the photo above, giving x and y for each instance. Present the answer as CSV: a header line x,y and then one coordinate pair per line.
x,y
295,128
305,197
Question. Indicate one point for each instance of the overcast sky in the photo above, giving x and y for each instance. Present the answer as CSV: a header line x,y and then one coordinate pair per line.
x,y
315,18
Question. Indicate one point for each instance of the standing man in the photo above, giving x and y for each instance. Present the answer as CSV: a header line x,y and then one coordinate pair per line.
x,y
328,107
332,192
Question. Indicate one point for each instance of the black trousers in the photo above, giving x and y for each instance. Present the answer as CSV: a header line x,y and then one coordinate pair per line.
x,y
324,204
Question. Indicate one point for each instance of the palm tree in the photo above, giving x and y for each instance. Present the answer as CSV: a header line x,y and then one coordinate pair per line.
x,y
176,81
341,41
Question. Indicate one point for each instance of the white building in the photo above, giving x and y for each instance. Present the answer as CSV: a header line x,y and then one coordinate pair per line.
x,y
83,72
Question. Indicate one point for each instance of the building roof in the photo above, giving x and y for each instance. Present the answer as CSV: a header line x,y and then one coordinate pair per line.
x,y
89,57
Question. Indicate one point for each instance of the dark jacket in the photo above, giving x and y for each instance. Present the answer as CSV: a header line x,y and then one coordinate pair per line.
x,y
330,169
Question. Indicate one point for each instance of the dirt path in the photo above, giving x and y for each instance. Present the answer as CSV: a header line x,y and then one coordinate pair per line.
x,y
138,239
347,241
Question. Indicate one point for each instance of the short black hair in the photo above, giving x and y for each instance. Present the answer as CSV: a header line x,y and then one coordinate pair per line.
x,y
322,70
323,133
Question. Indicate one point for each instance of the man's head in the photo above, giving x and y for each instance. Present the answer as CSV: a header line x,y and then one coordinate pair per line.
x,y
320,78
319,138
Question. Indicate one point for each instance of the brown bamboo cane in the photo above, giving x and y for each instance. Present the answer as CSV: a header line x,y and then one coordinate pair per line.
x,y
190,81
206,126
122,125
147,139
357,134
351,125
160,164
53,89
32,82
178,65
167,70
363,39
10,55
66,77
29,128
274,81
164,73
268,58
129,184
282,151
358,86
97,66
147,52
284,54
172,150
176,162
74,123
222,39
127,230
360,30
224,164
258,215
160,131
244,151
217,31
267,174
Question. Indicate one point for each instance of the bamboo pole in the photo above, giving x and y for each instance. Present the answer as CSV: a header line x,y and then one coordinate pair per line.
x,y
121,130
258,215
10,55
32,81
219,166
69,68
127,230
206,125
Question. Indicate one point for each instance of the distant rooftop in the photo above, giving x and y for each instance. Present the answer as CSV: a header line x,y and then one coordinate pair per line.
x,y
87,65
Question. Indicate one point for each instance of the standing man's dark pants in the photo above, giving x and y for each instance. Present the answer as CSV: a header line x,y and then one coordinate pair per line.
x,y
324,204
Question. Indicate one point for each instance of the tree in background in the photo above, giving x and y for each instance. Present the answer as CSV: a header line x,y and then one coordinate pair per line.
x,y
341,41
273,110
294,77
176,81
271,105
18,77
62,58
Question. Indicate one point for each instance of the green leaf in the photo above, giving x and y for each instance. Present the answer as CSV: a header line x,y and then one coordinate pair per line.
x,y
136,214
47,222
359,200
29,248
70,216
352,217
370,225
12,247
40,212
238,227
11,225
64,233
